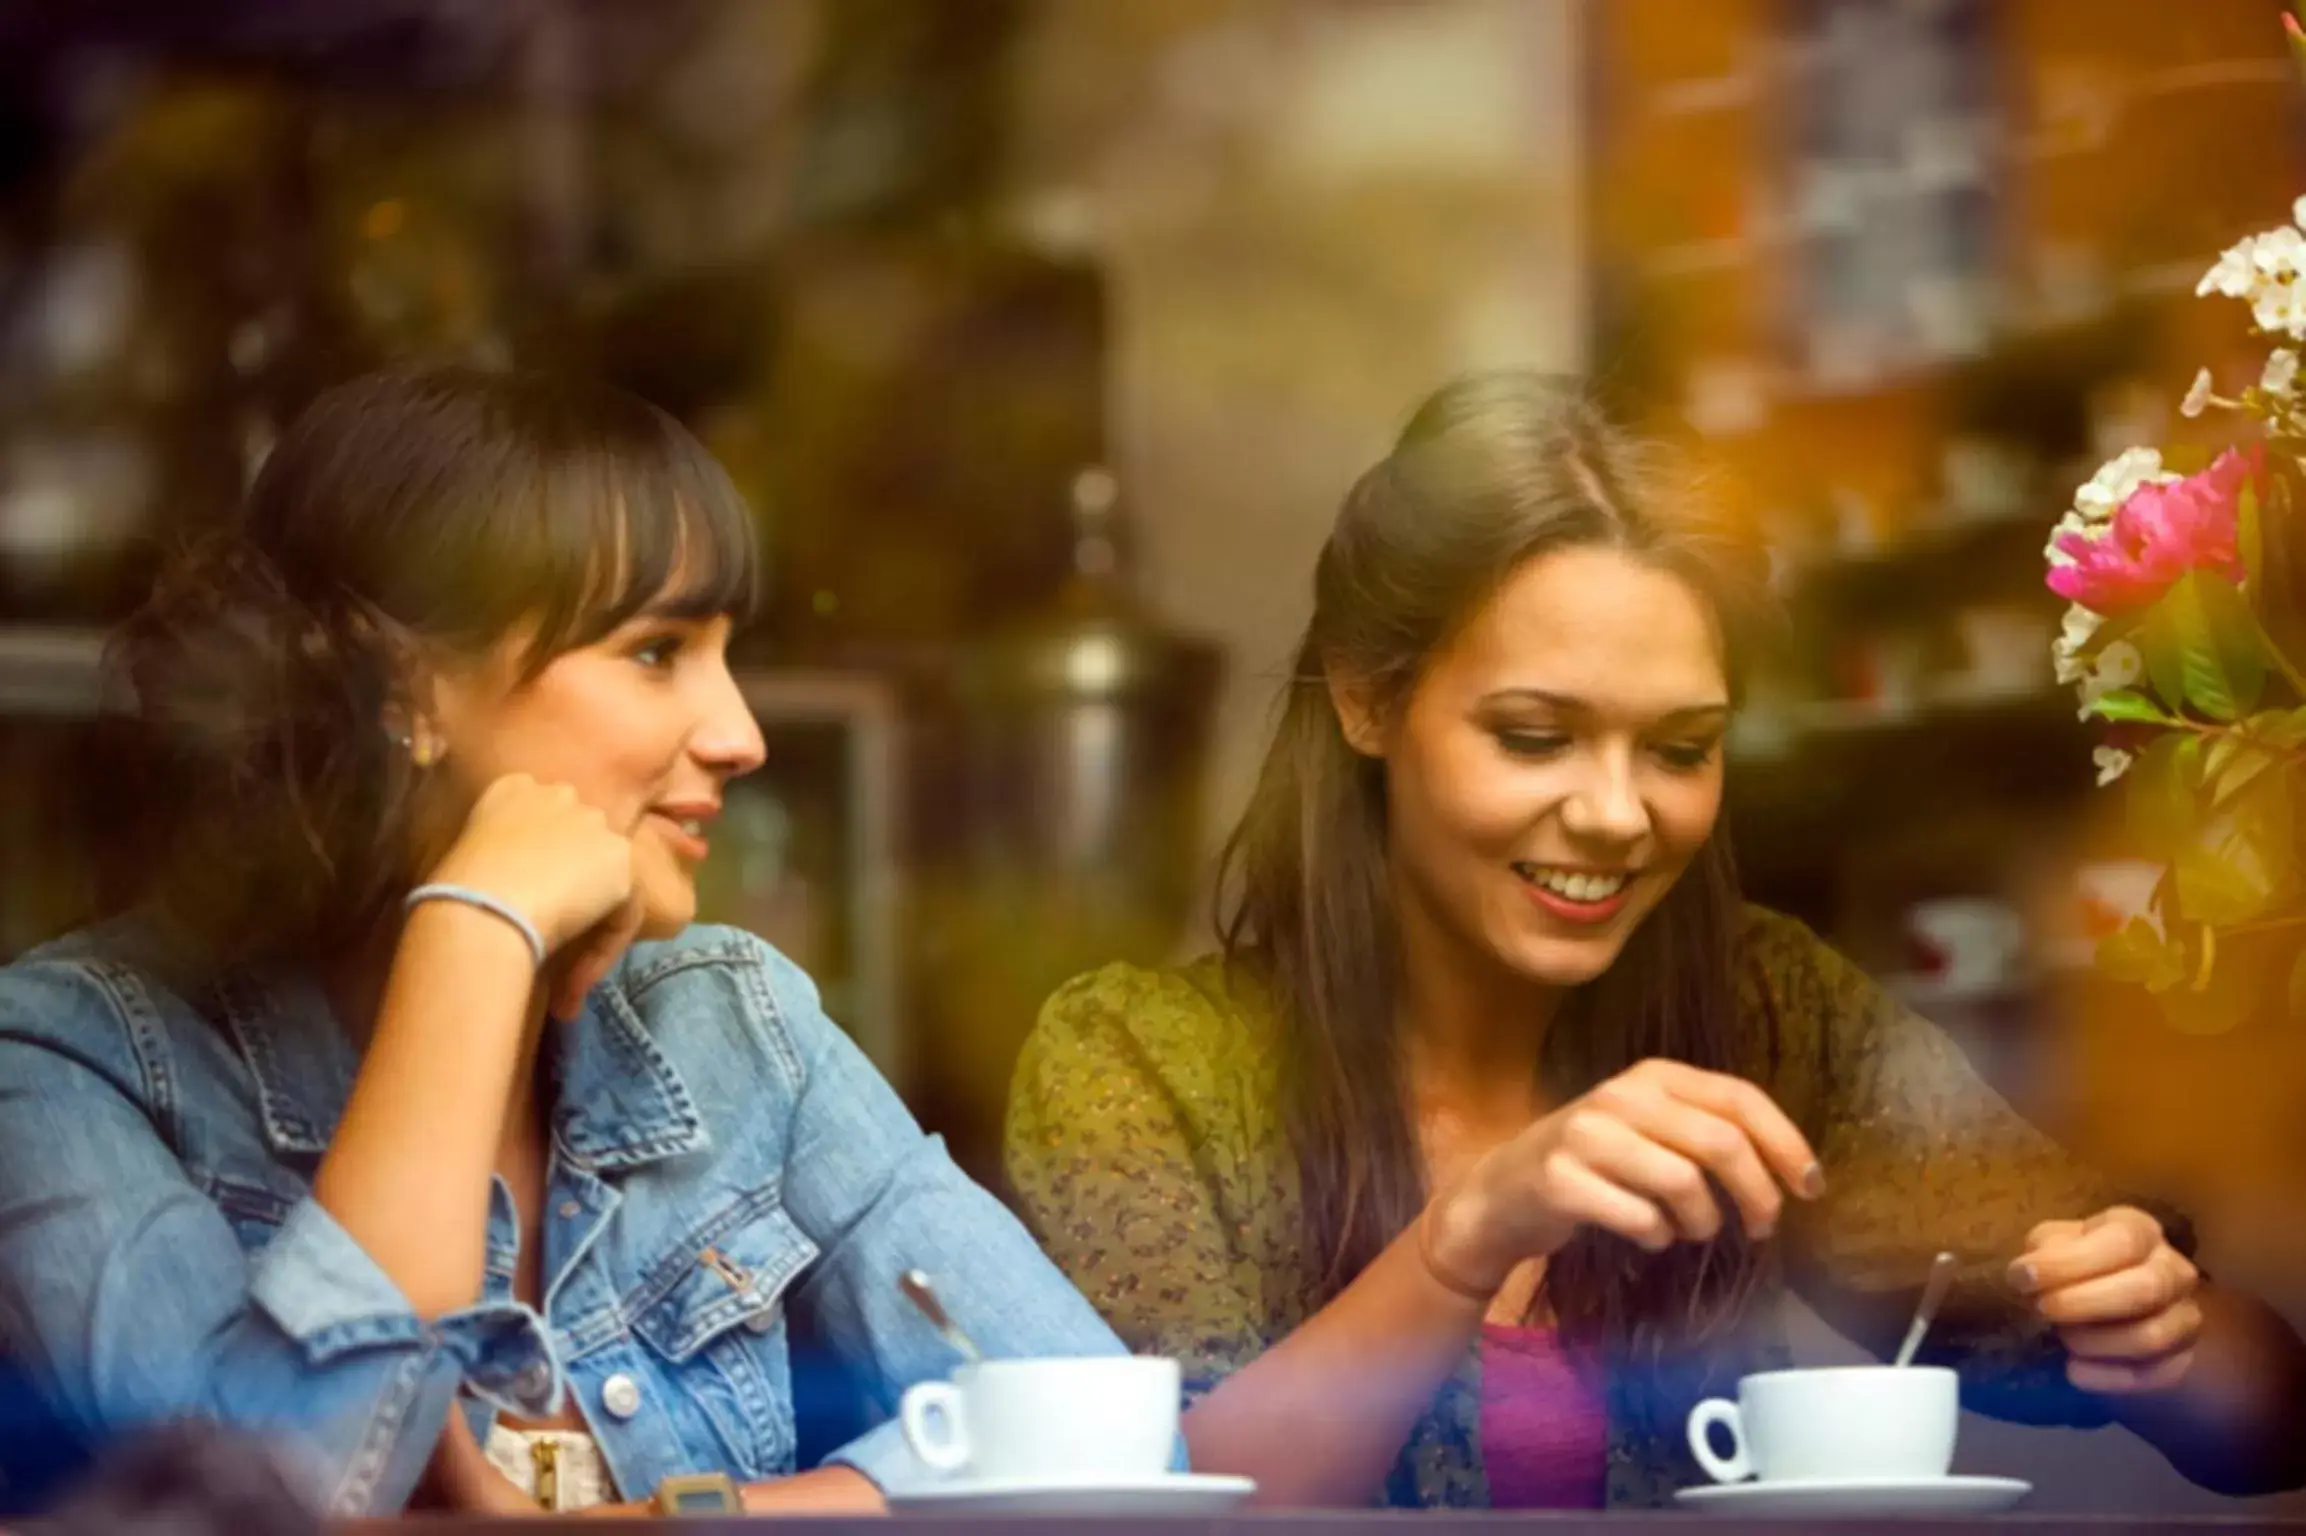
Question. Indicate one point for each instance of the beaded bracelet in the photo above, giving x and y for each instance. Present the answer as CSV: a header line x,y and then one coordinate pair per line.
x,y
487,903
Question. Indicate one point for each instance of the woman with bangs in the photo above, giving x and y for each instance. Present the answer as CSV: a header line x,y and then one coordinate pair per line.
x,y
408,1120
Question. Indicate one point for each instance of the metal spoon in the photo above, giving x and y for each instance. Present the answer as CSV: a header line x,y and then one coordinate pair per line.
x,y
923,1295
1933,1293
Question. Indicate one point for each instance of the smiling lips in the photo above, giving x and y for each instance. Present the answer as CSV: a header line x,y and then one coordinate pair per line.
x,y
685,828
1584,896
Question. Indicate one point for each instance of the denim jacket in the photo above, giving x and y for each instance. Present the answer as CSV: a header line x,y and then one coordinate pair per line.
x,y
721,1155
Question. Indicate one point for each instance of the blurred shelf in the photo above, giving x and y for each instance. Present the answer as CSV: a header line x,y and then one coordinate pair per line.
x,y
58,670
1954,559
1808,780
51,671
1767,735
396,44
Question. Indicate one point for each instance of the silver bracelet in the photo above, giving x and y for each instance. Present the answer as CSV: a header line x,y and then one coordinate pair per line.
x,y
487,903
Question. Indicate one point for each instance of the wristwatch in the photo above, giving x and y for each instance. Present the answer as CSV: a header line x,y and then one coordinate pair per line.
x,y
698,1493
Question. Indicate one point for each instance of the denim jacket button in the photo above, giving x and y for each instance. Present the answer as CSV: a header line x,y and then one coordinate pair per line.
x,y
762,1321
621,1396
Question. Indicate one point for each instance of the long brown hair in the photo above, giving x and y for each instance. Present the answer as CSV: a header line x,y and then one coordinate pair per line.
x,y
420,512
1491,472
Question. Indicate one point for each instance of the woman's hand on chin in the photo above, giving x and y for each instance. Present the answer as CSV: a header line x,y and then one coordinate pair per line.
x,y
549,856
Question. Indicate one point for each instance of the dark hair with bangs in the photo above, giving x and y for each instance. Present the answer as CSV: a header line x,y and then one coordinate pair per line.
x,y
409,514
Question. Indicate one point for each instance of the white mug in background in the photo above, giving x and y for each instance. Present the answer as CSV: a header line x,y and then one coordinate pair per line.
x,y
1839,1423
1109,1419
2107,894
1970,940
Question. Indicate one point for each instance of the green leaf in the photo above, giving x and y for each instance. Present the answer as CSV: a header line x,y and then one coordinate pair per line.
x,y
2162,802
2201,647
2233,769
2231,868
2283,730
2221,754
2158,641
2138,953
2222,997
2239,641
2189,767
2127,704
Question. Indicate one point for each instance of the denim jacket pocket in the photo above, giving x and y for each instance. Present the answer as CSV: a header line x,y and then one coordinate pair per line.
x,y
713,1310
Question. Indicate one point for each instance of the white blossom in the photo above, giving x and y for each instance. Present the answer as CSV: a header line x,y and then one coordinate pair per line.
x,y
2118,666
2235,274
2112,763
2081,624
2197,397
2280,309
2102,495
2072,522
2264,269
2281,372
2279,252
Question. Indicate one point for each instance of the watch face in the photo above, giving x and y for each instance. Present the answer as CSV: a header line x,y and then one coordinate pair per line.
x,y
701,1493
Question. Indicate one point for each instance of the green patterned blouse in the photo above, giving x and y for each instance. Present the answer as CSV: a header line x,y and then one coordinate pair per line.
x,y
1145,1146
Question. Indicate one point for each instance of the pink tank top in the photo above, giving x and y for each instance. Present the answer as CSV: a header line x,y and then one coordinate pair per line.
x,y
1544,1431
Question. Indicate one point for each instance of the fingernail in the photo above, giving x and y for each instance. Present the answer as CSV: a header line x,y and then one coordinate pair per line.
x,y
2022,1276
1814,1181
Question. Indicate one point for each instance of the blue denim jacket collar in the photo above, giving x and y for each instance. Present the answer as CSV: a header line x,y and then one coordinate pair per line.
x,y
620,1103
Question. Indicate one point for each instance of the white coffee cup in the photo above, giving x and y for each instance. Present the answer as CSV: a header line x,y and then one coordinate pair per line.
x,y
1859,1421
1979,941
1105,1420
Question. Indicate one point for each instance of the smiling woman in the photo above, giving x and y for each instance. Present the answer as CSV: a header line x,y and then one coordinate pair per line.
x,y
413,560
407,1119
1485,1148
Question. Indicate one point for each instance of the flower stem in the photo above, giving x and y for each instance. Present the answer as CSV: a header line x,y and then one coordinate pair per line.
x,y
2281,662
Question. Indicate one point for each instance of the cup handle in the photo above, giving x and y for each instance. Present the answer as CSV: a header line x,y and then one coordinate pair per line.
x,y
1736,1467
931,1418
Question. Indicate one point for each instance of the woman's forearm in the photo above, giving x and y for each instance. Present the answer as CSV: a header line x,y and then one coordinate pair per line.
x,y
2237,1422
1321,1417
407,1173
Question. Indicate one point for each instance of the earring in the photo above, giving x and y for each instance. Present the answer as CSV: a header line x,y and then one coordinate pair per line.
x,y
423,754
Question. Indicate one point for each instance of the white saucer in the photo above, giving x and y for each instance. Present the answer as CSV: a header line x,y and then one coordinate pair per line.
x,y
1171,1494
1858,1496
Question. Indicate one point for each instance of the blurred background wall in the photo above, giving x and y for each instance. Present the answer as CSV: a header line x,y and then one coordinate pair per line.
x,y
1045,336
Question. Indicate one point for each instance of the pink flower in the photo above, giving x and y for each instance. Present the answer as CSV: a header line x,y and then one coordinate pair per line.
x,y
2159,534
